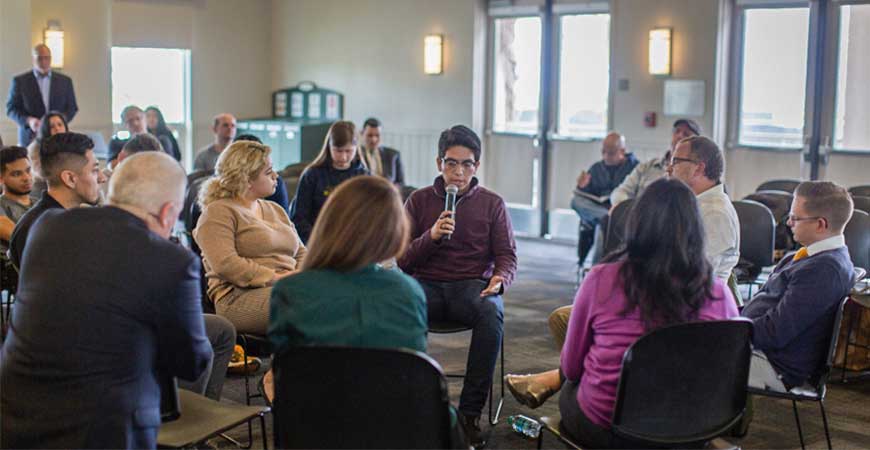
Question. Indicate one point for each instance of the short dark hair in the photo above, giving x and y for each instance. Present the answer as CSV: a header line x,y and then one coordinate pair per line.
x,y
459,135
9,155
706,151
371,122
145,142
248,137
828,200
63,151
691,124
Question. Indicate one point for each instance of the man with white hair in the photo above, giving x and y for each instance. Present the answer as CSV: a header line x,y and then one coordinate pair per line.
x,y
99,321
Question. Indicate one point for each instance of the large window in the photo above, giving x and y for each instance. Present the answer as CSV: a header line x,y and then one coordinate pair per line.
x,y
517,75
584,75
852,120
151,76
774,77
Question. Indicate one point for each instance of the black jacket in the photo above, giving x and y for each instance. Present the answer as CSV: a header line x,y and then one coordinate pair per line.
x,y
315,185
25,101
604,181
93,331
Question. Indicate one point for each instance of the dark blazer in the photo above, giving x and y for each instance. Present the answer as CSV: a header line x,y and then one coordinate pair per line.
x,y
392,162
25,100
105,308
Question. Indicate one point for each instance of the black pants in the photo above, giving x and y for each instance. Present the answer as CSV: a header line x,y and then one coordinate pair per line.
x,y
582,430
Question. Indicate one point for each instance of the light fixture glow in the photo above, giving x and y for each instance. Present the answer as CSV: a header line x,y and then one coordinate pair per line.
x,y
53,38
660,51
433,48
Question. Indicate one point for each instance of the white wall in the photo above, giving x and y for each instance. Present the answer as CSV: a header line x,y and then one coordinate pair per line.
x,y
372,51
14,56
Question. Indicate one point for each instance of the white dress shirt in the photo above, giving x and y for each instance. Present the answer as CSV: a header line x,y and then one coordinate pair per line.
x,y
44,82
831,243
721,229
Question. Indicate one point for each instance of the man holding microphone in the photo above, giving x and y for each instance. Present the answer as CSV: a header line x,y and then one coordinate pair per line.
x,y
464,259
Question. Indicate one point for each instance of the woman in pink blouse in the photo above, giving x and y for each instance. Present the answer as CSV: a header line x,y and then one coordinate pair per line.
x,y
660,277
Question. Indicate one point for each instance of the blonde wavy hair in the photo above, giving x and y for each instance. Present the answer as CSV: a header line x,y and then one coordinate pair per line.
x,y
237,165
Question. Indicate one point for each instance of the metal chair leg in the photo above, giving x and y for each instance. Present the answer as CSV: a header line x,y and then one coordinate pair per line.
x,y
825,422
263,430
493,420
797,420
852,318
541,439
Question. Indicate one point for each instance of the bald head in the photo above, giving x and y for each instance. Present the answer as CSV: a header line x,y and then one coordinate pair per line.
x,y
148,181
613,149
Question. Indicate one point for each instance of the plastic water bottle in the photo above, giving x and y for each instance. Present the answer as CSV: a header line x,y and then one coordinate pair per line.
x,y
525,425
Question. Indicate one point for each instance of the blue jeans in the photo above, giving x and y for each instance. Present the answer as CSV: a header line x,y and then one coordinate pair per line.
x,y
590,212
460,301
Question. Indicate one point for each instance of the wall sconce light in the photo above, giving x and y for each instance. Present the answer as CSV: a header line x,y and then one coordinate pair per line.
x,y
433,54
53,38
660,51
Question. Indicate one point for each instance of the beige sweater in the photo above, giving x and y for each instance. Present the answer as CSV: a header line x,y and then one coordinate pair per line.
x,y
242,250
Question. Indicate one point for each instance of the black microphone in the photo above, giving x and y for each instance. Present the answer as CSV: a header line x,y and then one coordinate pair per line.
x,y
450,203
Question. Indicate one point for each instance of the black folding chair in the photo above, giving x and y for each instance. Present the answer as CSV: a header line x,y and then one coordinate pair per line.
x,y
857,234
779,204
347,397
453,327
862,190
190,419
680,385
815,393
783,184
861,203
757,240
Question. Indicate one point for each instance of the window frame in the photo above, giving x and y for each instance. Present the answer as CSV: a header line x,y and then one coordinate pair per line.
x,y
560,13
832,73
495,15
737,59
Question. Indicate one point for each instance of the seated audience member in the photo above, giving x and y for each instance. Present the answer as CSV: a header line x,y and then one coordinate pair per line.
x,y
464,261
338,161
51,124
92,333
224,129
280,195
156,125
133,119
247,243
660,277
381,161
647,172
16,181
220,332
794,311
74,177
698,162
601,179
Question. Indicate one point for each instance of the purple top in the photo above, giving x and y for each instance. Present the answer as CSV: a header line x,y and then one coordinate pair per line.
x,y
598,336
482,245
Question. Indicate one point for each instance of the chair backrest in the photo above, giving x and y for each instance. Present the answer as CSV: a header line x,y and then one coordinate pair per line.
x,y
290,176
779,204
684,383
190,212
857,234
861,203
786,185
757,232
862,190
616,226
821,378
345,397
170,405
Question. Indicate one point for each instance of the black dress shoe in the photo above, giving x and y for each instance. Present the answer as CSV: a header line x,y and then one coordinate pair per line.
x,y
471,426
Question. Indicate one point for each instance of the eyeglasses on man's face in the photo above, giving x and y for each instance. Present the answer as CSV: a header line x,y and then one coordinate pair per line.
x,y
791,218
452,164
676,160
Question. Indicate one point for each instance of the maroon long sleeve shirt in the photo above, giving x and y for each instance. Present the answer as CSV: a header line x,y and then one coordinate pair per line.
x,y
482,244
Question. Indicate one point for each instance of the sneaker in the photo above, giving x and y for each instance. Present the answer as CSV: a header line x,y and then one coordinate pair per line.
x,y
471,426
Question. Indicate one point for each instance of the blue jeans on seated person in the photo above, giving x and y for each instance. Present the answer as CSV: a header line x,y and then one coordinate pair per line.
x,y
589,211
460,301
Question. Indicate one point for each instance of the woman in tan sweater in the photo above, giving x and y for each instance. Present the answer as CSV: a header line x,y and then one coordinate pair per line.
x,y
247,243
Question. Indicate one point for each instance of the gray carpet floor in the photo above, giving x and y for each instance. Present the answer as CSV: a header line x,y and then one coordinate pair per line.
x,y
546,280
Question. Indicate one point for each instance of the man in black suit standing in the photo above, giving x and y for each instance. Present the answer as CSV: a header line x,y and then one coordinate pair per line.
x,y
106,307
37,92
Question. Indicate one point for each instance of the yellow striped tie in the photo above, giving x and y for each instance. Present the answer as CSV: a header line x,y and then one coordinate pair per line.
x,y
801,254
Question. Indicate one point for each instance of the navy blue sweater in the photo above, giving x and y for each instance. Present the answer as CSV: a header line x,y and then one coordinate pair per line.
x,y
793,313
315,185
605,179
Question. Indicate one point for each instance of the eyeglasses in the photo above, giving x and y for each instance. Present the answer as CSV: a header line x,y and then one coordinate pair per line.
x,y
676,160
793,218
452,164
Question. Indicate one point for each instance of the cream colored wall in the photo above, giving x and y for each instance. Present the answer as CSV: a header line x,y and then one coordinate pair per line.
x,y
372,51
231,59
